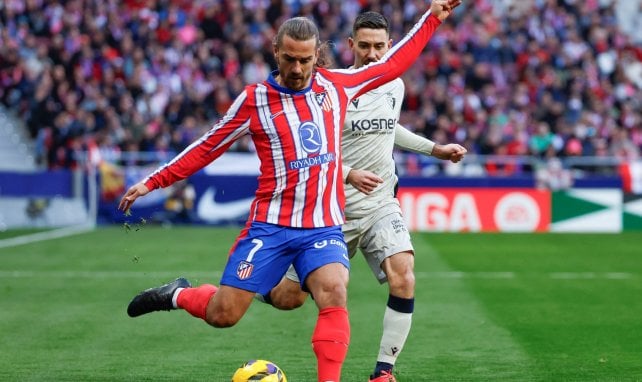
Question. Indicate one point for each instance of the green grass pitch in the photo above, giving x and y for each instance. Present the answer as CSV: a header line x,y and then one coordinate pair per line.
x,y
489,307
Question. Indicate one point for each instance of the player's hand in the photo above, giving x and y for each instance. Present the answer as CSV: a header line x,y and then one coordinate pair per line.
x,y
363,180
131,195
443,8
452,152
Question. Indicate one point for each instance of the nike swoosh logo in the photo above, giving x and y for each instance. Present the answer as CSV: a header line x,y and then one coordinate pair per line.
x,y
213,212
276,114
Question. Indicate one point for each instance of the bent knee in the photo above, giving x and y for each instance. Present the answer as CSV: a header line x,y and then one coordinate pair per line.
x,y
289,303
221,319
331,294
402,282
287,296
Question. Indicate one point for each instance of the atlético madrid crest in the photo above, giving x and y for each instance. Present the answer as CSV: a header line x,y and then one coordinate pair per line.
x,y
323,99
244,270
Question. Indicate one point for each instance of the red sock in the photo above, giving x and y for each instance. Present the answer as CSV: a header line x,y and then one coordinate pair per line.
x,y
330,342
195,300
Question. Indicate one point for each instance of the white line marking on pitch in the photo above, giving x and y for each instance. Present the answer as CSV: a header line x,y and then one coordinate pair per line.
x,y
513,275
47,235
590,275
107,274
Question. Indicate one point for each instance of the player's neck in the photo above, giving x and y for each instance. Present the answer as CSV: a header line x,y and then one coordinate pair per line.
x,y
279,80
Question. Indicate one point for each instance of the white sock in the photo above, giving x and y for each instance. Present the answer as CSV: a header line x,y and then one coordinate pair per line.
x,y
396,326
175,297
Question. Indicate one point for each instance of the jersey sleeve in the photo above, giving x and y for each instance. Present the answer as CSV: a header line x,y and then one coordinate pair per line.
x,y
346,170
396,61
409,141
234,124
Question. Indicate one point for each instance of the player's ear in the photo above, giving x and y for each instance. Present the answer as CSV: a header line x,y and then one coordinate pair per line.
x,y
389,43
350,42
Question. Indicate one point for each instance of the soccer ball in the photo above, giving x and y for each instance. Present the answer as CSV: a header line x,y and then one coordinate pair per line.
x,y
259,370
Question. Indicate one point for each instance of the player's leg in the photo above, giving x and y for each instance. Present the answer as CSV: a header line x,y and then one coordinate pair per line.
x,y
157,299
287,295
331,336
397,318
258,260
220,307
228,306
328,284
323,266
256,263
388,250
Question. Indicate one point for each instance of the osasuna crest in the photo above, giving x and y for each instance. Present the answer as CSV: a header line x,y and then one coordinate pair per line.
x,y
244,270
324,101
392,101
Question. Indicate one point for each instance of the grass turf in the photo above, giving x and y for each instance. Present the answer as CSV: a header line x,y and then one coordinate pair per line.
x,y
489,307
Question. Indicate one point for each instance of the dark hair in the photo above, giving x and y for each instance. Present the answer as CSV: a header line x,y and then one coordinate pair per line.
x,y
298,28
325,58
370,20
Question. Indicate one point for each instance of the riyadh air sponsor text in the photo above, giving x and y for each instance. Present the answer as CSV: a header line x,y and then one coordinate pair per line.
x,y
311,161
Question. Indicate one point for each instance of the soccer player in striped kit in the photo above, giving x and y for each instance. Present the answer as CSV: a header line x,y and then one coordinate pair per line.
x,y
295,119
374,223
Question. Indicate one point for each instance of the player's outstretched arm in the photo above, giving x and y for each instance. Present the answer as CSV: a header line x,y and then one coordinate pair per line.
x,y
410,141
131,195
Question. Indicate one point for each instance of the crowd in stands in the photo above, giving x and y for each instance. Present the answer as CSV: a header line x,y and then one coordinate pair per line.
x,y
546,78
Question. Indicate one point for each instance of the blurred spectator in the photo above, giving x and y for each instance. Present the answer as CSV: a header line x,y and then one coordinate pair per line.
x,y
551,78
179,205
553,175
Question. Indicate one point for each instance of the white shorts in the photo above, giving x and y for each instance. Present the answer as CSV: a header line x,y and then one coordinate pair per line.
x,y
378,236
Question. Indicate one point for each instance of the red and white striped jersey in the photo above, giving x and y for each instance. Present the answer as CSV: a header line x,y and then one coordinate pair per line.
x,y
297,135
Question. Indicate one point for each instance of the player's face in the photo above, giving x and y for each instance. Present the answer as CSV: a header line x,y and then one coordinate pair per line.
x,y
369,45
295,61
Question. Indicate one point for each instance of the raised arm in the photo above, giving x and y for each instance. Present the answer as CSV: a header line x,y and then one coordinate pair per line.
x,y
398,59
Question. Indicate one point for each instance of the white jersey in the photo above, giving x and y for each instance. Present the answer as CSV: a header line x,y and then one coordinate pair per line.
x,y
368,142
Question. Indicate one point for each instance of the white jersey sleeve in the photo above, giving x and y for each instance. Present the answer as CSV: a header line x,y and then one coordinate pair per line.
x,y
409,141
368,142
